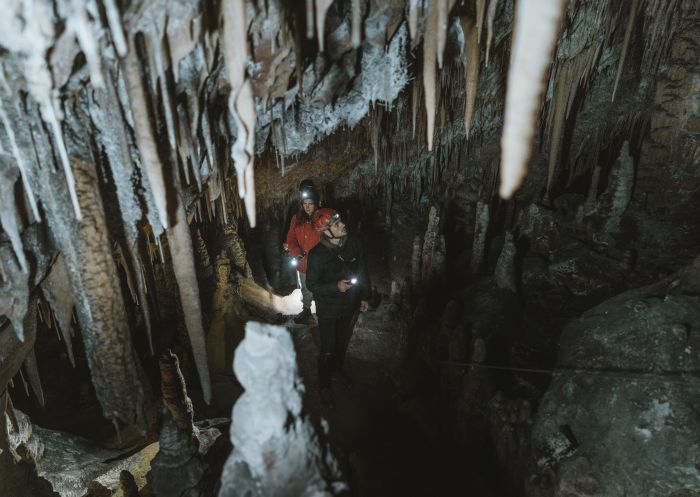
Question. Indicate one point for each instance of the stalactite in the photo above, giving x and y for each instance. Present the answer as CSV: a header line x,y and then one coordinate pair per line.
x,y
241,100
180,245
150,160
625,44
115,27
75,14
356,31
535,33
470,60
490,17
321,11
561,94
413,7
480,9
32,369
429,54
309,19
415,104
8,213
19,160
441,35
56,289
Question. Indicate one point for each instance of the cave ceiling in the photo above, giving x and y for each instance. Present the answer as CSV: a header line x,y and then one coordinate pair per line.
x,y
122,121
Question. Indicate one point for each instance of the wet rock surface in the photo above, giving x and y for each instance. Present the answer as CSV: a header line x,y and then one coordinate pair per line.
x,y
620,415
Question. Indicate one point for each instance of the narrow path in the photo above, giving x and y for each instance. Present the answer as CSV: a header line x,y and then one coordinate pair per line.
x,y
389,444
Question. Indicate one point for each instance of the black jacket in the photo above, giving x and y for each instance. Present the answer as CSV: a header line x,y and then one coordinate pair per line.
x,y
329,264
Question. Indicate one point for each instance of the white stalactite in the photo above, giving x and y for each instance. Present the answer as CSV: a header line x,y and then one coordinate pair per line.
x,y
77,22
145,141
321,11
182,254
356,30
413,8
19,159
471,60
8,212
115,26
537,24
429,76
241,101
490,17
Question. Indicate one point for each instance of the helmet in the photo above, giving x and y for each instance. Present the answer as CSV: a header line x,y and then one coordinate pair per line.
x,y
307,190
324,218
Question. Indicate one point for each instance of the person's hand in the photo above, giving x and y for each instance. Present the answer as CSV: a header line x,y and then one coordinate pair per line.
x,y
285,247
364,305
344,285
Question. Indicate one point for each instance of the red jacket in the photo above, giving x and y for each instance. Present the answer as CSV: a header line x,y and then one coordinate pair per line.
x,y
301,238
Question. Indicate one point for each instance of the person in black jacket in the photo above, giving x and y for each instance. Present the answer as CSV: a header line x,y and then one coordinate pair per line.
x,y
337,276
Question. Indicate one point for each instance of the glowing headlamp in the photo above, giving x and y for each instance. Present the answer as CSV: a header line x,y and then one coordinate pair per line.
x,y
353,281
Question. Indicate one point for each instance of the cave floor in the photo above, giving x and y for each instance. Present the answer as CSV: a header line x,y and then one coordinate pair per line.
x,y
388,441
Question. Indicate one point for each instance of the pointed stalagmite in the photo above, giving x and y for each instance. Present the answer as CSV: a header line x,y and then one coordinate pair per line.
x,y
537,24
241,100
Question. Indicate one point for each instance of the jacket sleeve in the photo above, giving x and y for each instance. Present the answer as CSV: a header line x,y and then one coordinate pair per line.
x,y
292,242
315,278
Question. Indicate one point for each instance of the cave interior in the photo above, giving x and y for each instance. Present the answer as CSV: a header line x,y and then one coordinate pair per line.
x,y
523,177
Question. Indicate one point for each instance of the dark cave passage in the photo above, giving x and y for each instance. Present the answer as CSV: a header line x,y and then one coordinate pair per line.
x,y
496,200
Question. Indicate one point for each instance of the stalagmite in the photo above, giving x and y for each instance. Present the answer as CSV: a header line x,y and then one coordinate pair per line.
x,y
625,44
480,231
470,59
321,11
536,29
145,140
429,244
490,17
241,100
180,245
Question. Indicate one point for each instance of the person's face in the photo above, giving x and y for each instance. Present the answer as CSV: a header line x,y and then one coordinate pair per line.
x,y
337,228
309,206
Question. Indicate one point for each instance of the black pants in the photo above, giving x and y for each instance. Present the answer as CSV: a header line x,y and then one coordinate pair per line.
x,y
335,331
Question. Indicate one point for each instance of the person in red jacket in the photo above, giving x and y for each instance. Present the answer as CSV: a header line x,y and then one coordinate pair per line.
x,y
301,238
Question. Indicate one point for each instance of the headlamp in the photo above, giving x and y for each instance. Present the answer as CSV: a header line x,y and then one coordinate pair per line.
x,y
353,281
